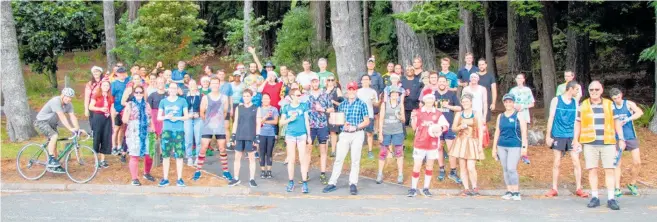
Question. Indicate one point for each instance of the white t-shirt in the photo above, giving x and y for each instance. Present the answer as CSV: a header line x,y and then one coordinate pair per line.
x,y
366,94
304,78
477,98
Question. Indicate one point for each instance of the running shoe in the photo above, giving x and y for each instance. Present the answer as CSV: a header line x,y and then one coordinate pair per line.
x,y
123,159
618,192
552,193
426,193
52,162
135,182
370,155
329,188
507,195
454,177
290,186
353,189
233,182
379,178
304,187
595,202
104,164
58,169
252,183
227,176
466,193
441,175
190,162
197,175
581,193
412,193
612,204
149,177
516,196
332,154
263,174
115,151
400,179
323,179
257,156
180,183
633,189
164,182
475,192
269,176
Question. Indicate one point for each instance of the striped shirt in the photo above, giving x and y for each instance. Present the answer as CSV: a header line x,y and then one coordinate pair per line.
x,y
598,123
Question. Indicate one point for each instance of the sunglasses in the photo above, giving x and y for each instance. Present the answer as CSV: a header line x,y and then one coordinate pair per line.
x,y
330,80
594,90
138,92
298,95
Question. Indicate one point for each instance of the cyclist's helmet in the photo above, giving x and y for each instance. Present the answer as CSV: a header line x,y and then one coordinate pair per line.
x,y
68,92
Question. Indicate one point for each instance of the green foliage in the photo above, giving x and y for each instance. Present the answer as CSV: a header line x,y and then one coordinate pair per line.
x,y
45,30
163,31
215,13
648,114
295,40
80,59
528,8
437,17
650,54
235,36
383,33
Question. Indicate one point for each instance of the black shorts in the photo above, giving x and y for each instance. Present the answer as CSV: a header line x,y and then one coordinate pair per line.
x,y
217,136
334,128
321,134
562,144
118,119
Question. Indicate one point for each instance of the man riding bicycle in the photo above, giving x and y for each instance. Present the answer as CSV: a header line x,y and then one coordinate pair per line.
x,y
46,123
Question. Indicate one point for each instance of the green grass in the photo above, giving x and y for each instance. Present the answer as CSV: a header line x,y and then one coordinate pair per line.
x,y
10,150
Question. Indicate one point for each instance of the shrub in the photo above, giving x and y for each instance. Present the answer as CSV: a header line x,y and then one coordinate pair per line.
x,y
296,40
648,113
235,36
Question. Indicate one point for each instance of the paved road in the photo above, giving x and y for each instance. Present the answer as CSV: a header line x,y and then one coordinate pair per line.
x,y
76,206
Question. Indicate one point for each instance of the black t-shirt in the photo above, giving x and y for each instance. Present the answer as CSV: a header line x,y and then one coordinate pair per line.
x,y
453,101
486,81
412,101
154,99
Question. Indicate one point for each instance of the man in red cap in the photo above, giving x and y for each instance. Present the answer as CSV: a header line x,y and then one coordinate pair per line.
x,y
429,124
352,137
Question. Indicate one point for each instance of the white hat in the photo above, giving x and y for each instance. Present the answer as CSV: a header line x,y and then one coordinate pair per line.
x,y
96,68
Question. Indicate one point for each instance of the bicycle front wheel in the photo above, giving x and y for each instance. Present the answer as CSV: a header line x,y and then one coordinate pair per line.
x,y
31,161
81,164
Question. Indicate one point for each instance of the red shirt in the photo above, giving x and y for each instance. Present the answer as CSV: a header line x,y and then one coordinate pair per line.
x,y
424,119
101,102
274,92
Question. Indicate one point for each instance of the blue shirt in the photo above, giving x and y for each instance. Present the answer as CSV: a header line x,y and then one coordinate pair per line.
x,y
268,129
464,74
564,119
623,113
298,126
176,108
118,88
354,112
509,131
226,89
452,79
177,75
263,73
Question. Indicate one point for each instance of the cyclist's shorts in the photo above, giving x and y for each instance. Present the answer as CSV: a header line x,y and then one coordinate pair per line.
x,y
173,141
46,128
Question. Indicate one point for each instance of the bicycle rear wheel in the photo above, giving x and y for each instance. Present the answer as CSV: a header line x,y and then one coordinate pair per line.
x,y
81,164
31,161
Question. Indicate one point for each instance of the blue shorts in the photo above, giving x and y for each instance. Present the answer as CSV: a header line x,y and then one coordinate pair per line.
x,y
370,128
244,146
321,134
393,139
449,135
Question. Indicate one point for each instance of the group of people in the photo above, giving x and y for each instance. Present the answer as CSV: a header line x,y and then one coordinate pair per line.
x,y
129,115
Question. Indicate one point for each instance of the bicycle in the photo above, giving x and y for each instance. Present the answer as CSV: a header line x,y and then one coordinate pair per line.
x,y
32,159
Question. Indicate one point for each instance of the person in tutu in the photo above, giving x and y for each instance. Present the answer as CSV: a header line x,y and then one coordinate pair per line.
x,y
468,126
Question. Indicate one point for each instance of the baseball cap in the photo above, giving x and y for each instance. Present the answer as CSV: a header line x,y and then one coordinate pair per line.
x,y
395,89
352,85
474,75
237,73
509,96
270,64
96,68
314,77
370,59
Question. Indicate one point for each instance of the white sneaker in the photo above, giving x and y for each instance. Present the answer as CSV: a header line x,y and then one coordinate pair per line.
x,y
516,197
190,162
507,195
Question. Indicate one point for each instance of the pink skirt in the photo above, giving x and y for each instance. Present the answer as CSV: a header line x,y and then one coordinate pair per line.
x,y
156,123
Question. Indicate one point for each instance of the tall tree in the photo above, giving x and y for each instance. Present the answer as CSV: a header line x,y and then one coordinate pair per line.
x,y
248,10
346,28
478,35
577,58
465,34
548,73
518,47
650,54
318,12
490,54
16,109
133,9
366,29
110,32
412,44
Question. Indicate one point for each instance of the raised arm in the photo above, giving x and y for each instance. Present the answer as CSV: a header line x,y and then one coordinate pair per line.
x,y
255,57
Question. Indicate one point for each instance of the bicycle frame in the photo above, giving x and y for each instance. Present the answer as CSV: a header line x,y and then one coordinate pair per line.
x,y
61,154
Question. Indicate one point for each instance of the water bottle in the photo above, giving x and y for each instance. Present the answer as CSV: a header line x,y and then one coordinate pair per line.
x,y
525,159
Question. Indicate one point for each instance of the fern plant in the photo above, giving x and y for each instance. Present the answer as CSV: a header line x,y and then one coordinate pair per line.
x,y
648,113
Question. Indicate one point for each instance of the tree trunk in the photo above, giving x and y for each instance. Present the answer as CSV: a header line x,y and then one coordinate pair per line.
x,y
478,36
110,34
465,35
248,9
133,8
490,54
16,109
261,8
366,29
577,58
653,123
318,12
52,79
411,44
519,51
346,25
548,72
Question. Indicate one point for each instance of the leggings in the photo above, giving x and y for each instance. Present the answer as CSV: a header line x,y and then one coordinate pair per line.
x,y
509,157
134,165
266,148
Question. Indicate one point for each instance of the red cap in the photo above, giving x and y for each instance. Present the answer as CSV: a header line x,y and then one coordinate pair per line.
x,y
352,85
